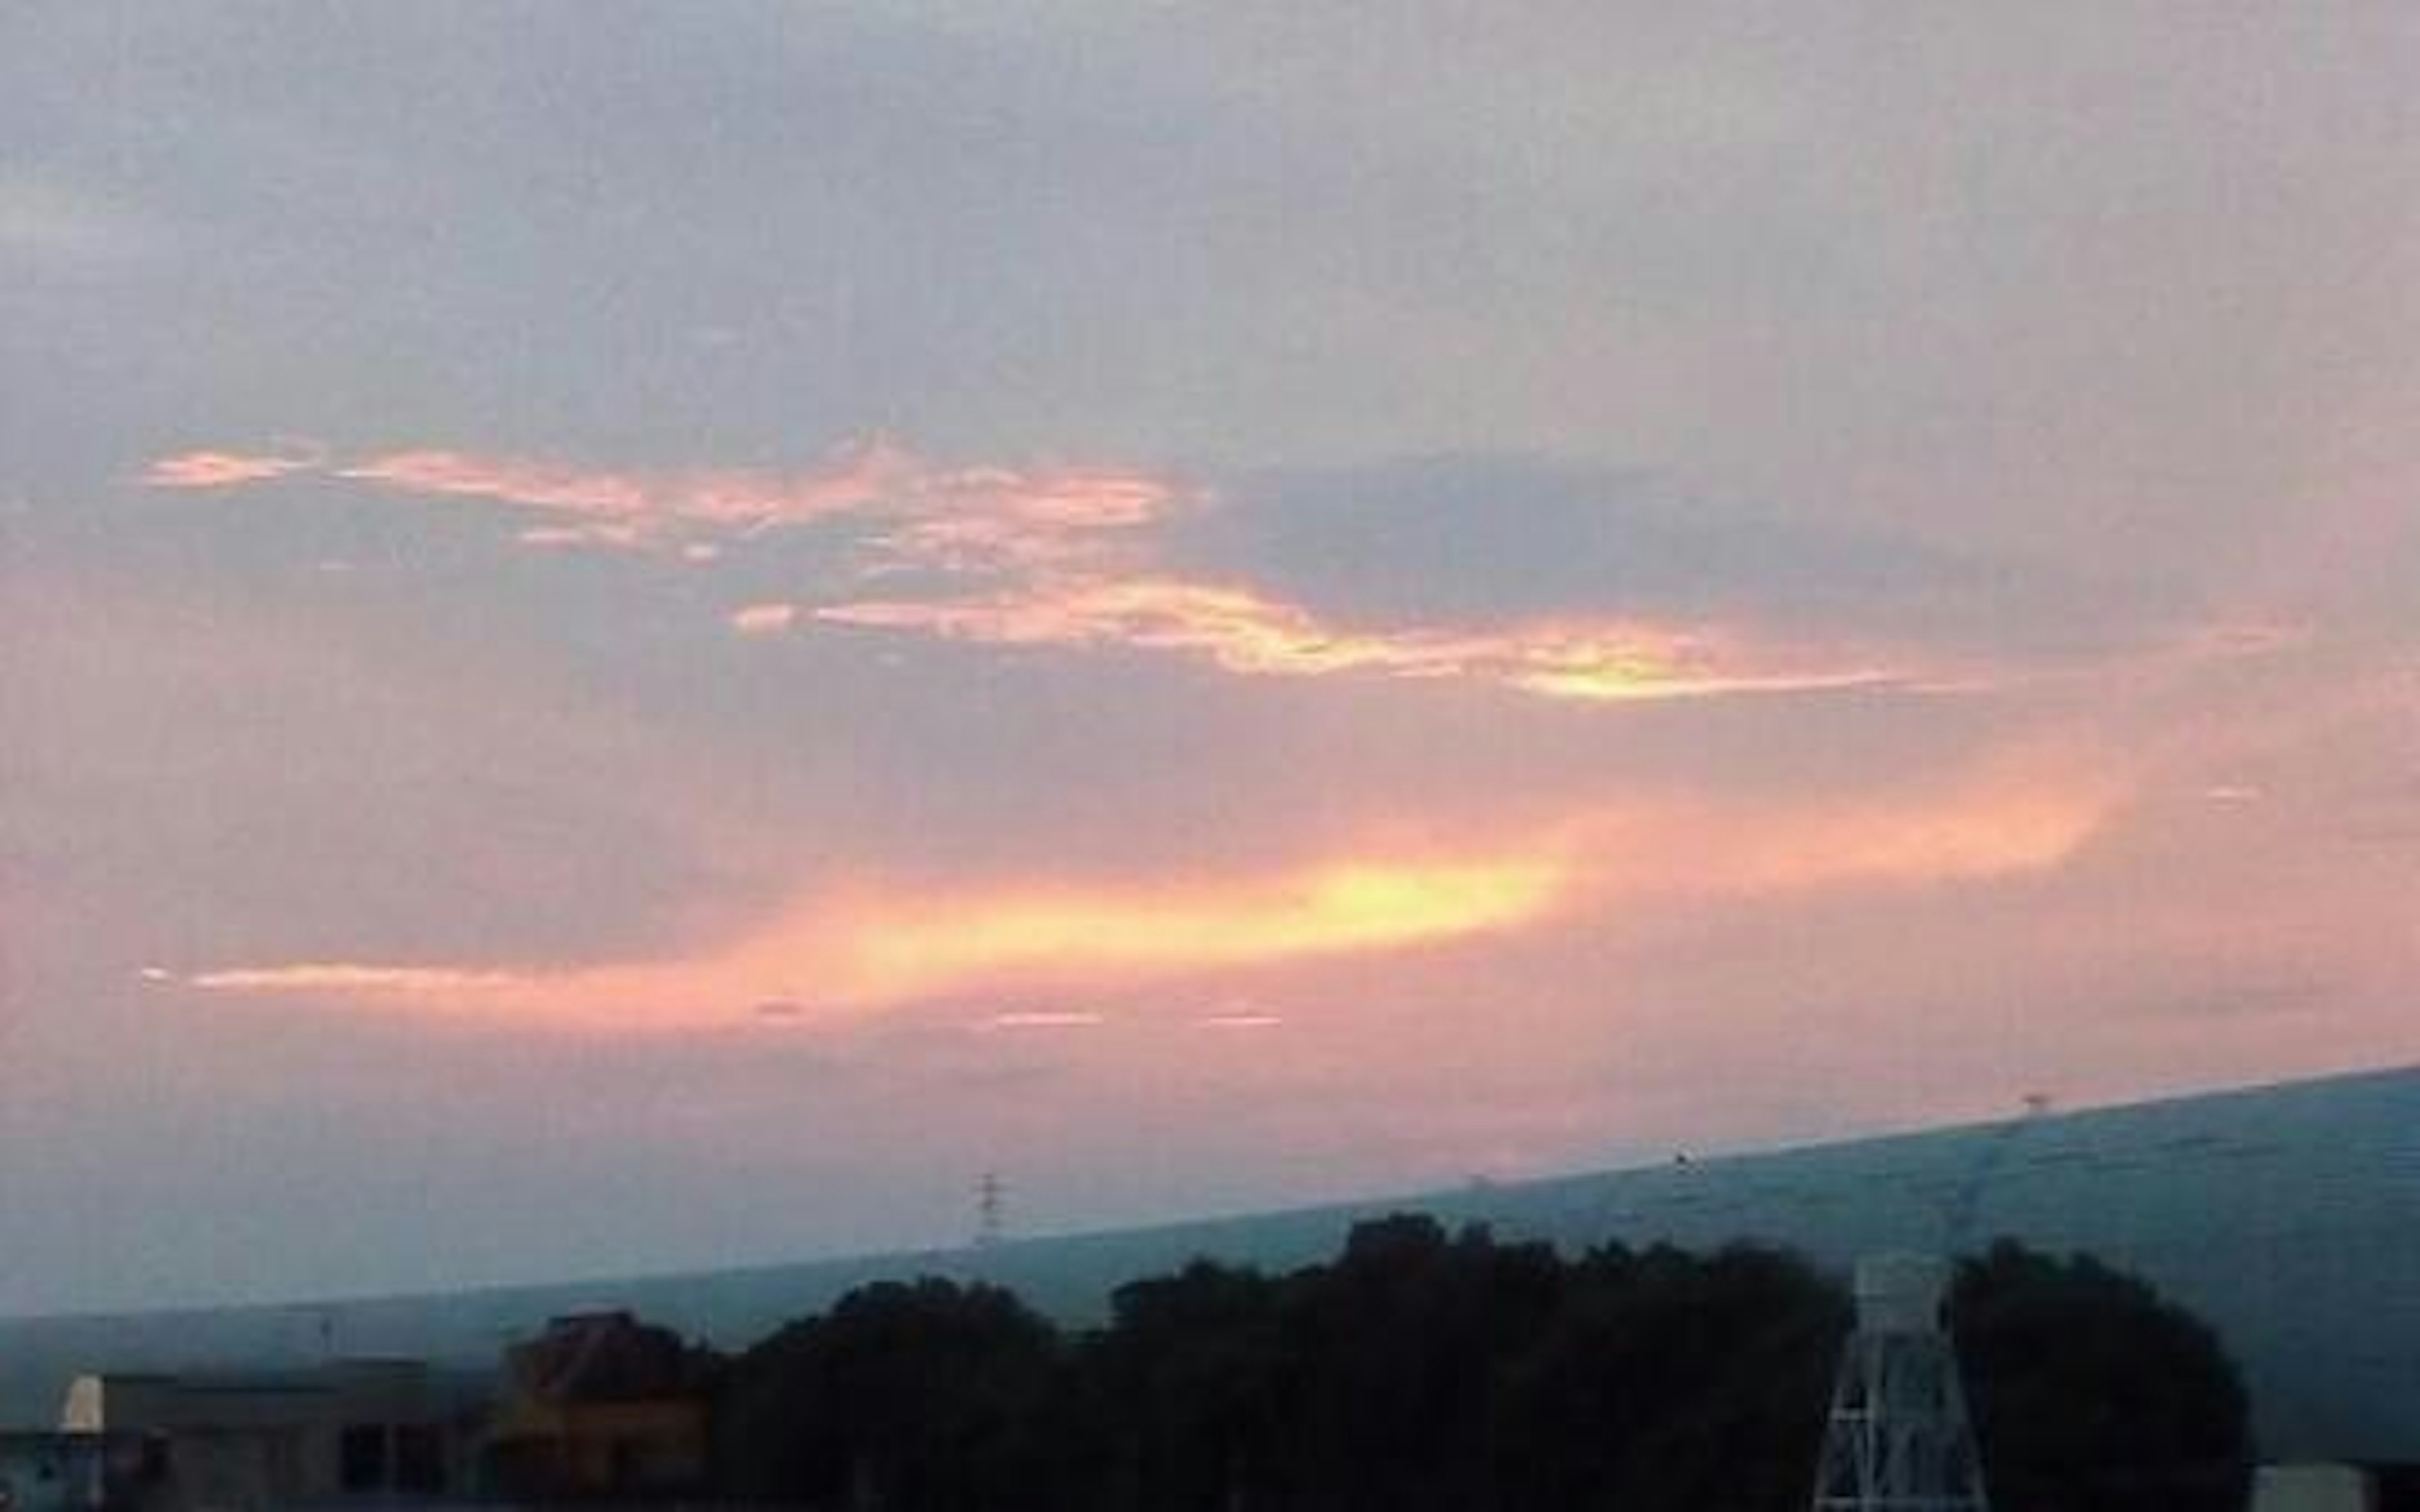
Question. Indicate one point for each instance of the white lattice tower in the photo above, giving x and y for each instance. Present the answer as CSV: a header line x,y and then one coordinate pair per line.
x,y
1899,1439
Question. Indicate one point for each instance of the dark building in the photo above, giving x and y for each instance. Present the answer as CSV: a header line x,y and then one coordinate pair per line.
x,y
598,1407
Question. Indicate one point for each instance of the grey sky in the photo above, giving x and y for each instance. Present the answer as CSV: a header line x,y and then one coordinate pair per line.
x,y
1982,411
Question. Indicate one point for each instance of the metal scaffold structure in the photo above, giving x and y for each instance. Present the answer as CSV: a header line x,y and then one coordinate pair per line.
x,y
1899,1438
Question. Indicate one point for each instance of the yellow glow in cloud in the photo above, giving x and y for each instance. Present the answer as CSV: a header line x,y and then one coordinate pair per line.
x,y
942,518
1347,908
1625,680
221,470
843,955
1245,632
342,978
836,955
996,519
1064,555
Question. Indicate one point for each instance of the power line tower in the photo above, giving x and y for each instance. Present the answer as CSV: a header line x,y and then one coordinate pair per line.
x,y
991,1210
1898,1438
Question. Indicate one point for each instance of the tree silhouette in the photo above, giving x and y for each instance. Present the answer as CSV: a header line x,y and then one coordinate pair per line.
x,y
1676,1381
1187,1379
2090,1393
904,1398
1425,1372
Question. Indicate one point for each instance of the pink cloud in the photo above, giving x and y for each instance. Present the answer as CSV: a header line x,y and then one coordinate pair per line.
x,y
1240,630
619,535
942,518
222,468
873,947
993,519
764,619
857,476
1064,557
508,480
952,519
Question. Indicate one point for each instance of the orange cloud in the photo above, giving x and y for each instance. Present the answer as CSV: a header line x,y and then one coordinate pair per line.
x,y
619,535
857,476
946,519
1242,631
993,519
844,954
351,979
537,485
940,518
764,619
1045,1018
221,470
1063,557
847,953
2014,818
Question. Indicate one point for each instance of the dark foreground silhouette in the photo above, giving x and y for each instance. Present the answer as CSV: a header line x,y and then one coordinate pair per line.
x,y
1423,1372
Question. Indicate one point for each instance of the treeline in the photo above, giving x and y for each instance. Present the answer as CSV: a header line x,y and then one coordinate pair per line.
x,y
1425,1372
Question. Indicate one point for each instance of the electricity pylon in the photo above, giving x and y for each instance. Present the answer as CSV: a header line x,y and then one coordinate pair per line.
x,y
991,1210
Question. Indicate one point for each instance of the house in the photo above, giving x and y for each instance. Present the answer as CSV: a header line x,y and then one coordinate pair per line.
x,y
600,1405
359,1429
46,1472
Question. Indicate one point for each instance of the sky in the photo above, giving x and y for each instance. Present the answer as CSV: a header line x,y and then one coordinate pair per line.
x,y
641,636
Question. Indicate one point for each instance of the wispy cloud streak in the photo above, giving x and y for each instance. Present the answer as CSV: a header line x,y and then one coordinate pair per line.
x,y
764,619
1065,557
864,950
1045,1018
850,953
209,469
855,477
914,513
1240,630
